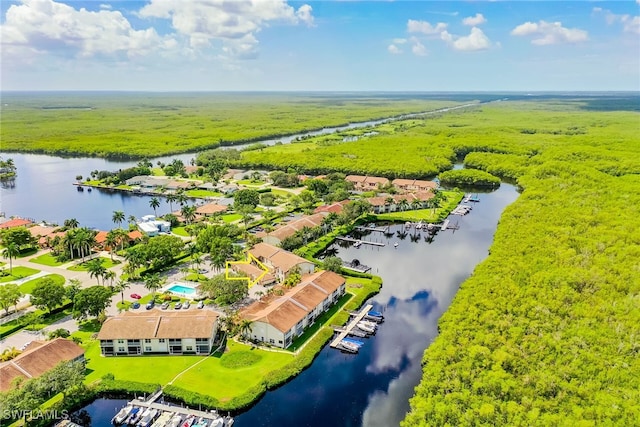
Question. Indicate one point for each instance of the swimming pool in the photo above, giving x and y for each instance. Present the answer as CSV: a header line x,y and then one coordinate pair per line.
x,y
181,289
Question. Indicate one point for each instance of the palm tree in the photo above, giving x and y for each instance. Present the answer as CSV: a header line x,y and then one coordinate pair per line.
x,y
96,269
153,282
118,217
170,199
11,251
154,203
71,223
189,213
121,286
245,328
109,275
111,242
416,204
132,220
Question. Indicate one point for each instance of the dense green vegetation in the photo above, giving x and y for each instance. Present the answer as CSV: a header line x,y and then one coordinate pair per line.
x,y
545,331
468,177
139,125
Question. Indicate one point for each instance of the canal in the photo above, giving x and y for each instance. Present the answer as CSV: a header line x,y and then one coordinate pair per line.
x,y
373,388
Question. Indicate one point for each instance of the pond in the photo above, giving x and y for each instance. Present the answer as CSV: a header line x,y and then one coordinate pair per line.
x,y
373,388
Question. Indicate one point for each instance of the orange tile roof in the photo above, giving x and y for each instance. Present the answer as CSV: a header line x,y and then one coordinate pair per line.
x,y
277,257
38,358
355,178
159,324
334,207
41,231
285,312
210,208
16,222
291,227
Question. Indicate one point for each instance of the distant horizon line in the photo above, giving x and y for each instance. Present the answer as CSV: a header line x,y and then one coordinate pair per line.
x,y
324,91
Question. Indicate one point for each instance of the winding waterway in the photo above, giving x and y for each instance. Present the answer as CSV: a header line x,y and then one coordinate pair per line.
x,y
373,388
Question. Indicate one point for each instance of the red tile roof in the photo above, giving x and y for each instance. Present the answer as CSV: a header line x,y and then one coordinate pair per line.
x,y
16,222
38,358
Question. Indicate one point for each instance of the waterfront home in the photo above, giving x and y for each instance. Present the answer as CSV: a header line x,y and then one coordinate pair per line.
x,y
38,358
279,262
400,202
152,226
276,236
101,237
146,182
414,185
336,207
228,189
278,320
159,332
366,183
15,222
210,209
41,232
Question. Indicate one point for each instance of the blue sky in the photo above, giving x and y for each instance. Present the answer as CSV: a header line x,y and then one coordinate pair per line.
x,y
212,45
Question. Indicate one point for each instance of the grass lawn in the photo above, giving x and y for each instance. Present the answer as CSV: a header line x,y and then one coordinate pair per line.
x,y
18,272
251,183
451,200
282,193
46,259
27,287
106,262
195,277
231,217
202,193
180,231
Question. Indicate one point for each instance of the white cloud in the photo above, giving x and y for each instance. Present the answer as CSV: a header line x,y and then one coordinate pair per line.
x,y
630,24
393,49
548,33
418,49
106,6
399,41
474,21
37,27
425,27
233,23
476,40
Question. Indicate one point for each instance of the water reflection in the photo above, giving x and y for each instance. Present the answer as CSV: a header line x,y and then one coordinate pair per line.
x,y
373,387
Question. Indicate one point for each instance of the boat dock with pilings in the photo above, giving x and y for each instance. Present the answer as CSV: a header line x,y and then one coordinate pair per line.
x,y
350,328
378,229
365,242
170,412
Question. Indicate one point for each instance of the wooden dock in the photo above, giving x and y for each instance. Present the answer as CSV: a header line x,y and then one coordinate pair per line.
x,y
378,229
351,325
445,224
162,407
366,242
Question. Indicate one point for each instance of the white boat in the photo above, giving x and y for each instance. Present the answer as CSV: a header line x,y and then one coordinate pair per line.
x,y
350,347
163,419
357,243
218,422
369,323
395,245
122,415
147,417
175,421
365,327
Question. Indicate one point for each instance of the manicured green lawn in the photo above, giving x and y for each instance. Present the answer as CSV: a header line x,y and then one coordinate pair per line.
x,y
202,193
18,272
282,193
27,287
46,259
251,183
180,231
231,217
106,262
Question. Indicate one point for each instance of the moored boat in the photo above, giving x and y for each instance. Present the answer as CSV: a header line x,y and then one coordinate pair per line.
x,y
366,327
122,415
350,347
163,419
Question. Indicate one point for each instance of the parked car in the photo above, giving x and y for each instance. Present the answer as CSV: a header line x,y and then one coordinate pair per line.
x,y
150,305
178,305
135,296
186,305
136,304
165,305
200,304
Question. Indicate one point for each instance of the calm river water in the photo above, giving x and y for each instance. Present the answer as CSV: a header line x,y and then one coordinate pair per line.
x,y
373,387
